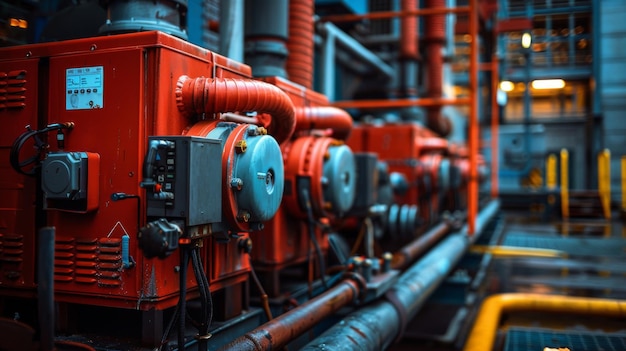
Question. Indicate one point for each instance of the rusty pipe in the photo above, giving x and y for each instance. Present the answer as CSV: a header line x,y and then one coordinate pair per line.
x,y
300,43
278,332
327,117
417,247
409,28
218,95
485,327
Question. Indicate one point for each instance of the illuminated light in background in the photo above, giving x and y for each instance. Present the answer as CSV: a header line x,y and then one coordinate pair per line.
x,y
15,22
548,84
526,40
507,86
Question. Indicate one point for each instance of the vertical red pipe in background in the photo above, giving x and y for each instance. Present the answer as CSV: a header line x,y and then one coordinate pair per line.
x,y
409,48
435,35
472,188
300,42
495,117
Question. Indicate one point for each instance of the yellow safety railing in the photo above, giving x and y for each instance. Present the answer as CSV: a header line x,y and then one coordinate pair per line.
x,y
483,334
551,172
564,184
604,181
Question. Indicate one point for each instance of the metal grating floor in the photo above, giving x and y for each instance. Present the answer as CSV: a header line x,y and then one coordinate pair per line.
x,y
524,339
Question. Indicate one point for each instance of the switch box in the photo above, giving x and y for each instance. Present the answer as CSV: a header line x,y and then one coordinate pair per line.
x,y
188,177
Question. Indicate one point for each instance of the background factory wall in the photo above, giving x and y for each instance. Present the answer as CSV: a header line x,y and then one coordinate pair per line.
x,y
612,83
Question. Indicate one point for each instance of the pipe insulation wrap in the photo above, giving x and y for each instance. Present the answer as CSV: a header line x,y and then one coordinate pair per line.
x,y
219,95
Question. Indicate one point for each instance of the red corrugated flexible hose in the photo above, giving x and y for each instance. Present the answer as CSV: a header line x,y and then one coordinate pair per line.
x,y
300,43
327,117
219,95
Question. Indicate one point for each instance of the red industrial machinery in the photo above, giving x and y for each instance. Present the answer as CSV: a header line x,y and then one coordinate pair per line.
x,y
415,152
170,174
140,148
320,179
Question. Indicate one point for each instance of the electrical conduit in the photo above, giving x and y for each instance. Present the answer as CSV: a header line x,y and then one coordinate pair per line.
x,y
219,95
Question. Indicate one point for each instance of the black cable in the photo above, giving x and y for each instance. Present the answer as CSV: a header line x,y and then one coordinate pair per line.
x,y
40,145
170,326
205,299
311,223
182,303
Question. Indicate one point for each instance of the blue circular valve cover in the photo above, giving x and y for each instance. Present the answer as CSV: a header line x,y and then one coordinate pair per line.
x,y
260,168
340,173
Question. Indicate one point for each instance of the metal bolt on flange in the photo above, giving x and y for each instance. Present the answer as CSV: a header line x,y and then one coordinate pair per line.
x,y
243,216
253,131
241,146
236,183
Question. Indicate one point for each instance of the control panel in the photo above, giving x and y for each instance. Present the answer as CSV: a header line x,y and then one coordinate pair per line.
x,y
182,177
84,88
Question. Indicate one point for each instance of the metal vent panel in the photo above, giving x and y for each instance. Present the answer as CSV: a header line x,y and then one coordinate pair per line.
x,y
13,89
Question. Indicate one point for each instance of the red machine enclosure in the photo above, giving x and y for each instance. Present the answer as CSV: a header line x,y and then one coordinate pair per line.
x,y
412,150
137,79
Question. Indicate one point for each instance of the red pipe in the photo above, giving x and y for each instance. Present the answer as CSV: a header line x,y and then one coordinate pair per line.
x,y
327,117
278,332
219,95
495,119
435,33
300,43
393,14
433,144
472,187
408,38
417,247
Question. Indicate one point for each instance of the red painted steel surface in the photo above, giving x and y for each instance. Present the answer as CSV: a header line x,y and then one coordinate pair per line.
x,y
17,191
139,80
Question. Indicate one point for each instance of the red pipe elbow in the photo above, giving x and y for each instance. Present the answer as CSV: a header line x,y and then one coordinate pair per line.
x,y
219,95
327,117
